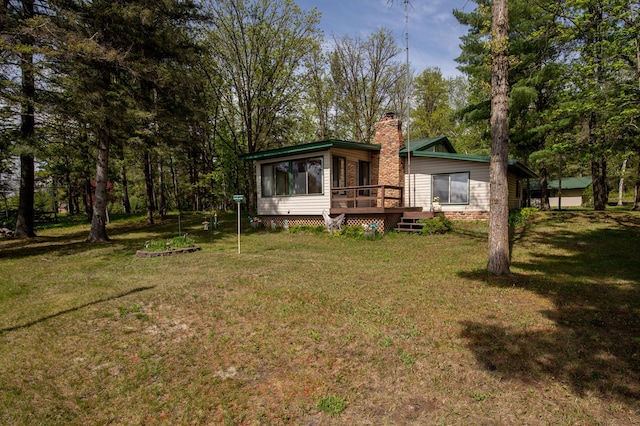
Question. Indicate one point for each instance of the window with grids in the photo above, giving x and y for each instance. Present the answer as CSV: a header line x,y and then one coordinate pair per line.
x,y
451,188
295,177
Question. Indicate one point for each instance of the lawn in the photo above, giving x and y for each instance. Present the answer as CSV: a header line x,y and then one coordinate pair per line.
x,y
309,329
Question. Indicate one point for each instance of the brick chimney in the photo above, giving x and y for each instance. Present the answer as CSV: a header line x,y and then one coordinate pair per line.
x,y
389,136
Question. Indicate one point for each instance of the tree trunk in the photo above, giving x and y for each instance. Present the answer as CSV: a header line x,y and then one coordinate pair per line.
x,y
6,205
26,216
87,190
544,189
126,204
252,188
88,199
3,14
636,187
70,195
176,191
98,231
193,180
621,183
162,199
599,182
499,259
148,179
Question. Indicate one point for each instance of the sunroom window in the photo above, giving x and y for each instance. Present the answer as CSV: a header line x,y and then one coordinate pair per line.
x,y
451,188
296,177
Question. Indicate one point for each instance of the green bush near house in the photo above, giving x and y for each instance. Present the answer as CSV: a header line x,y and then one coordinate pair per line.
x,y
437,225
522,216
359,232
352,231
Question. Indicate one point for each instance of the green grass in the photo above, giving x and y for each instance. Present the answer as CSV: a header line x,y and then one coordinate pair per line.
x,y
307,328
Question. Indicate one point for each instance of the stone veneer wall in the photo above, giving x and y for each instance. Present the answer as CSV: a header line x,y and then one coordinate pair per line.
x,y
375,167
352,173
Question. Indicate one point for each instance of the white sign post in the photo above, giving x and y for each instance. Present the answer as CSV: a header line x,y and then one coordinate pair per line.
x,y
238,199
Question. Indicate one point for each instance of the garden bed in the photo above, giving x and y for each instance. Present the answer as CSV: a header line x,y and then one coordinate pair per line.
x,y
144,253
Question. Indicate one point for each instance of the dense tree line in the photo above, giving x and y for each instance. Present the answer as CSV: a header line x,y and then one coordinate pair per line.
x,y
575,85
145,106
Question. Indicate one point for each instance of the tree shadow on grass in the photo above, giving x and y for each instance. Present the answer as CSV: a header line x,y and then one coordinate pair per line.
x,y
130,235
73,309
593,343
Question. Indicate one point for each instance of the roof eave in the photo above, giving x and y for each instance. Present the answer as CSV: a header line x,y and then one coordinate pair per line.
x,y
308,148
515,166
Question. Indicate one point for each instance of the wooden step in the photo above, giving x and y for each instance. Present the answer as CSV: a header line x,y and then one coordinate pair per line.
x,y
410,221
409,224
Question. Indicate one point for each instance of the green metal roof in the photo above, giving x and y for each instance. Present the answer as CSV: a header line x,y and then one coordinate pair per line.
x,y
516,167
422,145
309,147
418,149
567,183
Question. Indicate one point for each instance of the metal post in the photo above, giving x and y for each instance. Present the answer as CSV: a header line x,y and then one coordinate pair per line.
x,y
239,227
239,199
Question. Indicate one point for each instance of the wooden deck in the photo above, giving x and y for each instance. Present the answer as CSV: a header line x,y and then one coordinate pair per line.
x,y
368,199
381,205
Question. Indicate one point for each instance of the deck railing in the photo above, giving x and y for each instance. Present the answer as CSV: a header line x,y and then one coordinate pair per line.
x,y
366,197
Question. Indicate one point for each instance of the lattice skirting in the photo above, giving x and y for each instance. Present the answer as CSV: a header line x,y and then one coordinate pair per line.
x,y
386,222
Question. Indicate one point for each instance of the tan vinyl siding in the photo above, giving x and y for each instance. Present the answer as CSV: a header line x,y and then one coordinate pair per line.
x,y
514,199
423,168
312,204
351,154
570,198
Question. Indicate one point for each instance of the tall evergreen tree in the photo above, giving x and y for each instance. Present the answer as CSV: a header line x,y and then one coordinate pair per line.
x,y
433,113
499,256
19,44
115,53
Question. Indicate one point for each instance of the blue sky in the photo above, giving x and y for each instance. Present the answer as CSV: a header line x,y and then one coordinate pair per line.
x,y
434,33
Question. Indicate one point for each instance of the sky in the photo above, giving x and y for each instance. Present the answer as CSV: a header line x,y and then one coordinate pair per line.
x,y
434,33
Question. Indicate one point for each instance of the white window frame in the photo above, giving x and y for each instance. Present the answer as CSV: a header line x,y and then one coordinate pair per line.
x,y
289,183
445,196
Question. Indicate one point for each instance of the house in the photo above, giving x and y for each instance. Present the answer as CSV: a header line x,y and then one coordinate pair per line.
x,y
569,192
383,182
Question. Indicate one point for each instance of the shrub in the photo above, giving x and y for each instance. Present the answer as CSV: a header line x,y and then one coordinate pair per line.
x,y
437,225
352,231
522,216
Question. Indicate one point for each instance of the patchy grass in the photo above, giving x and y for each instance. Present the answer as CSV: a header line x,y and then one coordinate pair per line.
x,y
309,329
